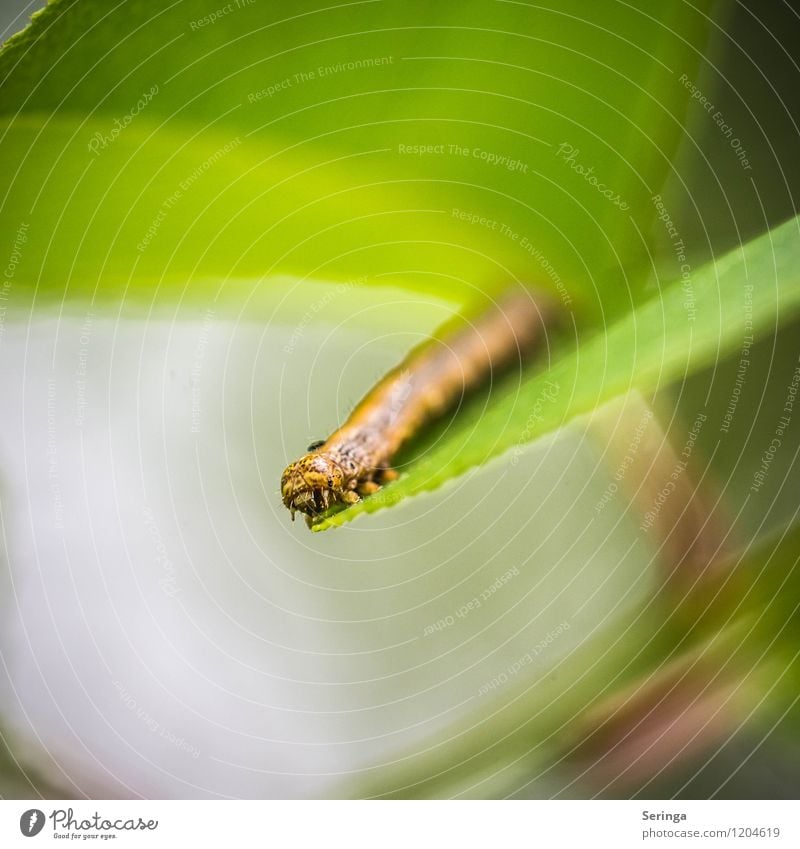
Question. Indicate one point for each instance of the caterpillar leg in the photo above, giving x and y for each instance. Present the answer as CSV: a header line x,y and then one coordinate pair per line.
x,y
378,478
368,487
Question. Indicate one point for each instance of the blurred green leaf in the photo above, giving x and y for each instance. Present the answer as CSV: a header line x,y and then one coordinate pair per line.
x,y
319,112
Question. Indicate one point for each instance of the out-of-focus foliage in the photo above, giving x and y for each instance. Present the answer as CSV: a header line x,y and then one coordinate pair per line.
x,y
676,679
147,145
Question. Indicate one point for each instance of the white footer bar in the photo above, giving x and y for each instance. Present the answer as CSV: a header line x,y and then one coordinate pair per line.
x,y
401,825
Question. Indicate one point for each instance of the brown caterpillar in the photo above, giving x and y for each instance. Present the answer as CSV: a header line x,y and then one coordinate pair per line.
x,y
356,459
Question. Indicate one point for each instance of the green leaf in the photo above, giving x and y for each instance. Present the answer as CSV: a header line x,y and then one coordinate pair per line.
x,y
728,303
733,633
342,141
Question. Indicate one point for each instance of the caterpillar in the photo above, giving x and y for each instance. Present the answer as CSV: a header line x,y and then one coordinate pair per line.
x,y
355,460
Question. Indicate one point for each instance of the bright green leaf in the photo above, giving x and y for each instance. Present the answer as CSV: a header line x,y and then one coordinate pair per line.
x,y
727,303
350,135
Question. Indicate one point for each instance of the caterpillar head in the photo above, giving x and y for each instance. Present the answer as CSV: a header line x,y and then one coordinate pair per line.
x,y
311,484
